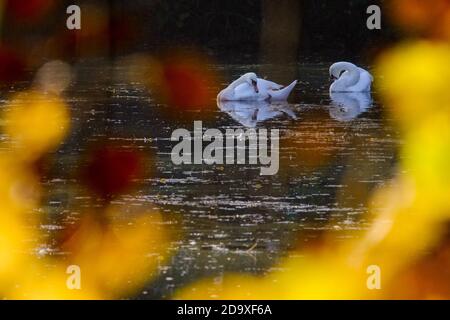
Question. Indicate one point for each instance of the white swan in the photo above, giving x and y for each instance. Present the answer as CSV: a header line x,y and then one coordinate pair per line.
x,y
349,78
251,88
347,106
250,113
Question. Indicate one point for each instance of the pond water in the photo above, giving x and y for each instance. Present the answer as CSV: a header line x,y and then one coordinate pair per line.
x,y
333,154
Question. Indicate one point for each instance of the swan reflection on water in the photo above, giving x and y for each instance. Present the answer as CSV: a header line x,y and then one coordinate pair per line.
x,y
250,113
347,106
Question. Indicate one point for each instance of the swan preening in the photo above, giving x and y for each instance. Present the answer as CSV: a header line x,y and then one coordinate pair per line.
x,y
349,78
251,88
250,99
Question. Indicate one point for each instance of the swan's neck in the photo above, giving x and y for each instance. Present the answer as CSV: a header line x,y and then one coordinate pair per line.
x,y
228,92
236,83
349,78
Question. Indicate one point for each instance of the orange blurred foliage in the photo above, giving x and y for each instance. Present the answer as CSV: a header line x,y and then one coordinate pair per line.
x,y
429,18
117,258
184,81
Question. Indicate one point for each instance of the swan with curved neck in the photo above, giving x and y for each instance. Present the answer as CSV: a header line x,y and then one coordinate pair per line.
x,y
230,93
251,88
349,78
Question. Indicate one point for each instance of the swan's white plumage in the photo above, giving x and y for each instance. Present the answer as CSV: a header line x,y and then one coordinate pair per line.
x,y
277,93
350,78
243,90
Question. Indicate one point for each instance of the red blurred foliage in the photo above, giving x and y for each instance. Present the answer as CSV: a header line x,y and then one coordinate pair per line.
x,y
12,66
110,170
185,81
185,85
29,10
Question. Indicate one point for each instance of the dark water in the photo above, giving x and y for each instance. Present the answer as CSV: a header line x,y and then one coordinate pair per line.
x,y
229,217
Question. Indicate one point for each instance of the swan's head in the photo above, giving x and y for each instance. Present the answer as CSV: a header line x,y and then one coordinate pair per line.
x,y
339,68
252,80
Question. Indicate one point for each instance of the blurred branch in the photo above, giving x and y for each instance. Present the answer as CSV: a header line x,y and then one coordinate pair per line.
x,y
112,6
280,34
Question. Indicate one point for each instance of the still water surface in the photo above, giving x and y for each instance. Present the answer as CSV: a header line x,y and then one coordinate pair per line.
x,y
333,154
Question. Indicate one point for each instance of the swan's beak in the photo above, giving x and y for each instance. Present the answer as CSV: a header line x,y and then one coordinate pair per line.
x,y
255,86
332,78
